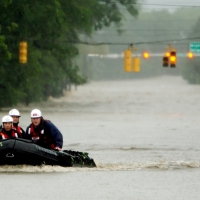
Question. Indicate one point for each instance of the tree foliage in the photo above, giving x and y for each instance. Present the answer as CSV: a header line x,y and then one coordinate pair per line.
x,y
50,28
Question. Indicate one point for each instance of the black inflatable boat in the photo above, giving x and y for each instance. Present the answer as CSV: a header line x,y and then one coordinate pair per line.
x,y
21,151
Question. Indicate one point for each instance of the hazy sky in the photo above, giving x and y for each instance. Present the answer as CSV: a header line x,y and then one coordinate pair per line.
x,y
170,4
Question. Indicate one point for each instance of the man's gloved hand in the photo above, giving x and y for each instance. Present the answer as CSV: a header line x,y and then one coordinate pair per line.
x,y
57,148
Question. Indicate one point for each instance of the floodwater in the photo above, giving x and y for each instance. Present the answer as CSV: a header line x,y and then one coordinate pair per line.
x,y
143,135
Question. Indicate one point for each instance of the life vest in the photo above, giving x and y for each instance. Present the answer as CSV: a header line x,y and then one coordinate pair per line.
x,y
18,129
4,135
40,137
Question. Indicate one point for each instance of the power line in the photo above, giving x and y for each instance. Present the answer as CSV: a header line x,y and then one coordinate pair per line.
x,y
161,20
168,5
136,43
136,35
150,30
157,4
156,42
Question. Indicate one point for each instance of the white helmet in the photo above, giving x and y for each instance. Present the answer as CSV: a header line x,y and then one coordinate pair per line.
x,y
14,112
36,113
7,118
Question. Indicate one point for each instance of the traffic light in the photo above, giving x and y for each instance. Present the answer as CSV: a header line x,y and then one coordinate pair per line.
x,y
23,52
190,55
165,61
145,55
136,64
167,54
128,60
172,58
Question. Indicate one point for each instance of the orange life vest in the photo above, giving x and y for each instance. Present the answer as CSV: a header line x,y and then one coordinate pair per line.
x,y
18,129
40,137
4,135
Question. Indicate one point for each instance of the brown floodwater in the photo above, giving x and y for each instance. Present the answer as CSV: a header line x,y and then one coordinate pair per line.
x,y
143,135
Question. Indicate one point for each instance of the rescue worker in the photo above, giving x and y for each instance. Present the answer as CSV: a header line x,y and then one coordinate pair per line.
x,y
15,114
7,131
43,132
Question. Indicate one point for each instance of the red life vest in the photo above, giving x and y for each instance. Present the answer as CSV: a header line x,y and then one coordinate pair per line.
x,y
18,129
40,137
4,135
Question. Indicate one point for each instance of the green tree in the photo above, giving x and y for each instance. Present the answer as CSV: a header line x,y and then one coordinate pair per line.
x,y
51,28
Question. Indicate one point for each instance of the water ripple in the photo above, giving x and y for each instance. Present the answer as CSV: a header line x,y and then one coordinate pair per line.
x,y
161,165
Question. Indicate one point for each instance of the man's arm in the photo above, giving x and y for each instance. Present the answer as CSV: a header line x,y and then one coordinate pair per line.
x,y
56,135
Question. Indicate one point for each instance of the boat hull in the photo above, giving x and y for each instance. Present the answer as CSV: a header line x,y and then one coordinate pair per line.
x,y
21,151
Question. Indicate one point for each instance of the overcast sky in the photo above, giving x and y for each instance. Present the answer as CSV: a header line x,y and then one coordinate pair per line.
x,y
170,4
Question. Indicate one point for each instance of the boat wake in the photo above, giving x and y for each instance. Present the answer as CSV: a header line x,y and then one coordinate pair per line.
x,y
156,165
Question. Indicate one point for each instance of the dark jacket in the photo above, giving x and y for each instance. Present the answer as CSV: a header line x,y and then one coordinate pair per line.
x,y
46,134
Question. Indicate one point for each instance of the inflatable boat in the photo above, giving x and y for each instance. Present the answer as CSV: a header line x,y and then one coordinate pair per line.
x,y
21,151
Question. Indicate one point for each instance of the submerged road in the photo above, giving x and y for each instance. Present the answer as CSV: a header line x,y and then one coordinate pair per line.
x,y
143,135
